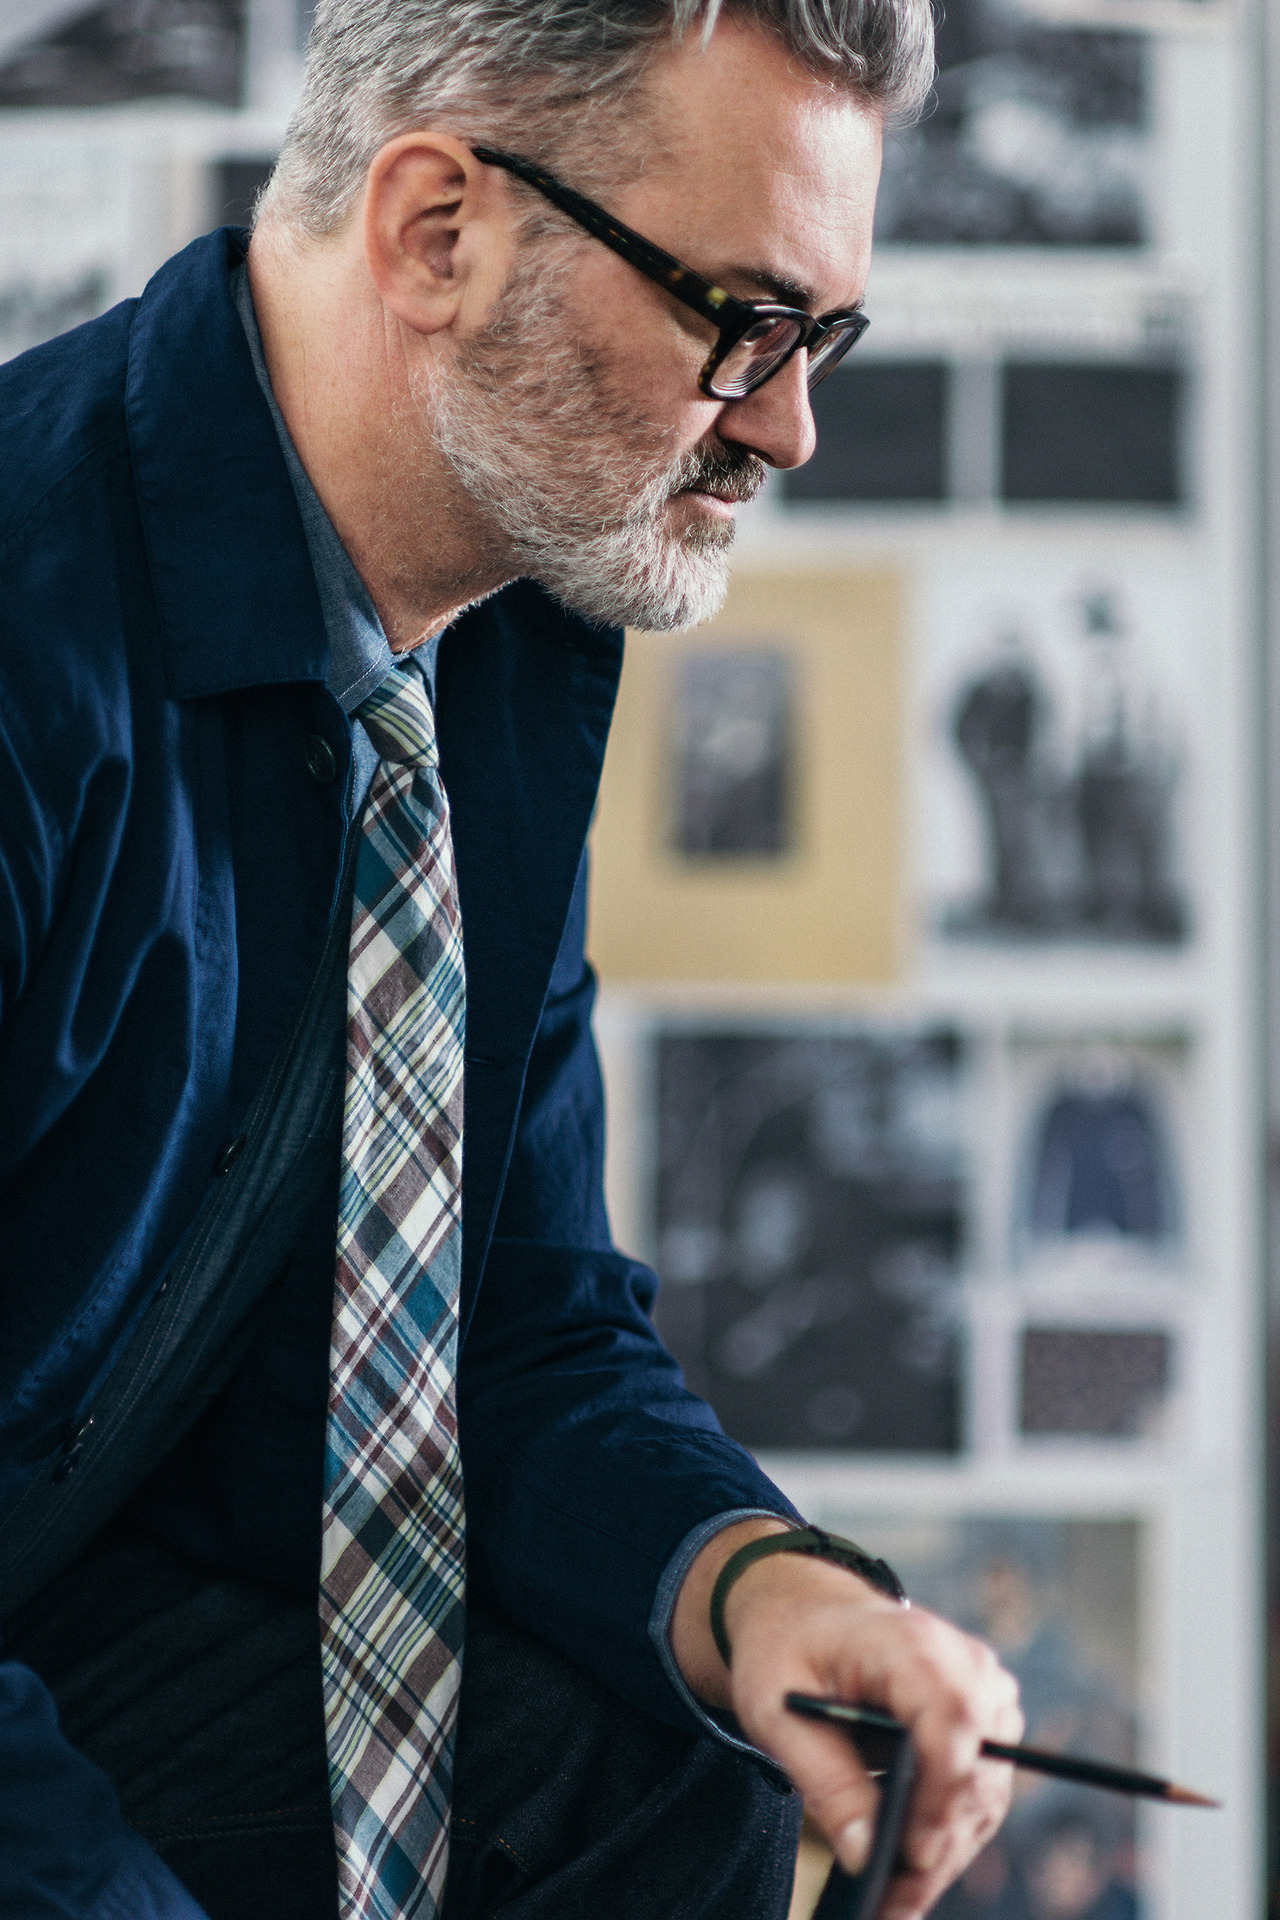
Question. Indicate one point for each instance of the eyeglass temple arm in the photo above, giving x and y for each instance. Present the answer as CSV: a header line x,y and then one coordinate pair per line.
x,y
703,296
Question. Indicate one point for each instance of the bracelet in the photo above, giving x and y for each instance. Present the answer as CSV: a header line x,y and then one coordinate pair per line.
x,y
810,1540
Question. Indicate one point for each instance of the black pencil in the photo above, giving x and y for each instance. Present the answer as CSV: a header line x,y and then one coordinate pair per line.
x,y
1063,1766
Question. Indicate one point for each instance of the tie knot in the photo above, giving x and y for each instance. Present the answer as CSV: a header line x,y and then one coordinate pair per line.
x,y
399,719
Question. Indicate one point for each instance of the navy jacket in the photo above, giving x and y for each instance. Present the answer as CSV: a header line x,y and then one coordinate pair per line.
x,y
168,869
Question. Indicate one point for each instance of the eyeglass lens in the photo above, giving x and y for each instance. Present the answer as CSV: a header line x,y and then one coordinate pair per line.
x,y
832,348
751,360
764,347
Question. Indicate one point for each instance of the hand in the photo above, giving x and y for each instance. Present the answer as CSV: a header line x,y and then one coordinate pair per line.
x,y
801,1625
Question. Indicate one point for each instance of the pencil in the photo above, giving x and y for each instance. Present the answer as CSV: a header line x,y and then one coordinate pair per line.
x,y
1063,1766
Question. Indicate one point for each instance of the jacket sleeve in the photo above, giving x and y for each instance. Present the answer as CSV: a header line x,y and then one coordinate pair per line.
x,y
66,1852
587,1461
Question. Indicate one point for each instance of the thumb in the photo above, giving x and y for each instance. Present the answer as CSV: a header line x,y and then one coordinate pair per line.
x,y
839,1794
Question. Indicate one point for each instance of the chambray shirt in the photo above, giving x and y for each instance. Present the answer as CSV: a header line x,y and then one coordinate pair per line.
x,y
360,658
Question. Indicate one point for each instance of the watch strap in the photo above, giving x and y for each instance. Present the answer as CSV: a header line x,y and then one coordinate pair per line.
x,y
819,1545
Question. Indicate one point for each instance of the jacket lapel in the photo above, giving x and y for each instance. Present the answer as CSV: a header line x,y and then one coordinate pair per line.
x,y
525,694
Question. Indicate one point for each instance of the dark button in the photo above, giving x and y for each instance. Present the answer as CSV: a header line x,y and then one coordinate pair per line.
x,y
229,1155
322,762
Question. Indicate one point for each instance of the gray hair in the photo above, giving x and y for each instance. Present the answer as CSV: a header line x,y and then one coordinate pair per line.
x,y
547,77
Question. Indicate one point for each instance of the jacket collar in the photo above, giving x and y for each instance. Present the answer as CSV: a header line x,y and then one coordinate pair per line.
x,y
229,562
524,697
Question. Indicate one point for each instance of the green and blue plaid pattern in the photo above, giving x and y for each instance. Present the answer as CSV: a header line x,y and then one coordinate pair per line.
x,y
391,1601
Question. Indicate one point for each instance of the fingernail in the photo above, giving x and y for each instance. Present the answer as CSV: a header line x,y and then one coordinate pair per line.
x,y
853,1845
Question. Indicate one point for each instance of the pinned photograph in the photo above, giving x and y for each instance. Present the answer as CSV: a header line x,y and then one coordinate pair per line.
x,y
1057,804
749,825
1059,1601
1099,1166
809,1220
63,53
1094,1383
1040,137
734,736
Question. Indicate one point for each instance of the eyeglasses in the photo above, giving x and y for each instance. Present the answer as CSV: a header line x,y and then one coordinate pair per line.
x,y
757,337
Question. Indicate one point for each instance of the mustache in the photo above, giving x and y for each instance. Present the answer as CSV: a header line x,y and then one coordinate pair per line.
x,y
728,471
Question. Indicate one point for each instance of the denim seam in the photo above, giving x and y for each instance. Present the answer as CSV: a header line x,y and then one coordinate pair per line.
x,y
494,1839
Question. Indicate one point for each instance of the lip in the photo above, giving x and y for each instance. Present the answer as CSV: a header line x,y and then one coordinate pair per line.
x,y
722,504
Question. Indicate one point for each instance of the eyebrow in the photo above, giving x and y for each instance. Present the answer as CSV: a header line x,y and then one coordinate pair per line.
x,y
787,292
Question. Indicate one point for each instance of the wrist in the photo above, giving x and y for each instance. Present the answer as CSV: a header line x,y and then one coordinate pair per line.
x,y
805,1543
689,1637
768,1593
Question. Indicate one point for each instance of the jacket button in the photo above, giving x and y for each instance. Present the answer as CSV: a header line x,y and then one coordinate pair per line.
x,y
229,1155
322,762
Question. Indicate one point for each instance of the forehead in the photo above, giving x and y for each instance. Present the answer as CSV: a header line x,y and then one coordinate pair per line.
x,y
754,159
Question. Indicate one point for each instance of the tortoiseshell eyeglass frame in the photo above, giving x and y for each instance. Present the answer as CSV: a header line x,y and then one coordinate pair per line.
x,y
837,331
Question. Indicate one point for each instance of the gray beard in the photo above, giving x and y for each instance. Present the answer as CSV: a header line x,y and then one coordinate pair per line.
x,y
575,482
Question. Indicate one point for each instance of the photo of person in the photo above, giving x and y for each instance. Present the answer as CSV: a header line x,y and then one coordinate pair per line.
x,y
1058,797
1059,1601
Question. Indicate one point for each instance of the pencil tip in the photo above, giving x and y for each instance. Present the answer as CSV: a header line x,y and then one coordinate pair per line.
x,y
1185,1797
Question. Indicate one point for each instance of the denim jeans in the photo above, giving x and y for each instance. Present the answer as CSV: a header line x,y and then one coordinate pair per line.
x,y
200,1698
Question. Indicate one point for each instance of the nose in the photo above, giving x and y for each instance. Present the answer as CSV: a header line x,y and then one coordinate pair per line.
x,y
776,421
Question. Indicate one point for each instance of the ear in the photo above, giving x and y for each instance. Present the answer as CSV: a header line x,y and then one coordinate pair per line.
x,y
437,231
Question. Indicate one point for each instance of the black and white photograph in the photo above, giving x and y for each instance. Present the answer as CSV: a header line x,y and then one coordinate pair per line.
x,y
1058,796
810,1219
1040,137
733,743
73,55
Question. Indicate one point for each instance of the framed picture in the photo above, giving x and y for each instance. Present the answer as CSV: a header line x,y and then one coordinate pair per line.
x,y
809,1215
749,823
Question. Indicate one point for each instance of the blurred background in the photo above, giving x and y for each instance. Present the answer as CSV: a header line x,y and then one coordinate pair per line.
x,y
931,899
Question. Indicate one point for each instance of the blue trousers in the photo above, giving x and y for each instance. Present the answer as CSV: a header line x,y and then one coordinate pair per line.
x,y
200,1698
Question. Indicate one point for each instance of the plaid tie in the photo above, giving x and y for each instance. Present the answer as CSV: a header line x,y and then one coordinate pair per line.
x,y
391,1600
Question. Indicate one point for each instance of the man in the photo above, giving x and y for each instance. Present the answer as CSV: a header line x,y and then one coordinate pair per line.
x,y
229,511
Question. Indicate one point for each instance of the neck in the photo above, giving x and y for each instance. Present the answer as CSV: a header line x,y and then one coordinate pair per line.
x,y
340,374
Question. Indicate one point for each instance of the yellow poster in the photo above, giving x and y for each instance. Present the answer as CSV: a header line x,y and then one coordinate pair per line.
x,y
749,825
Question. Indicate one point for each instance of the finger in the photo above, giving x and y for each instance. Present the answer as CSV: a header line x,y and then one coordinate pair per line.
x,y
957,1791
838,1792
